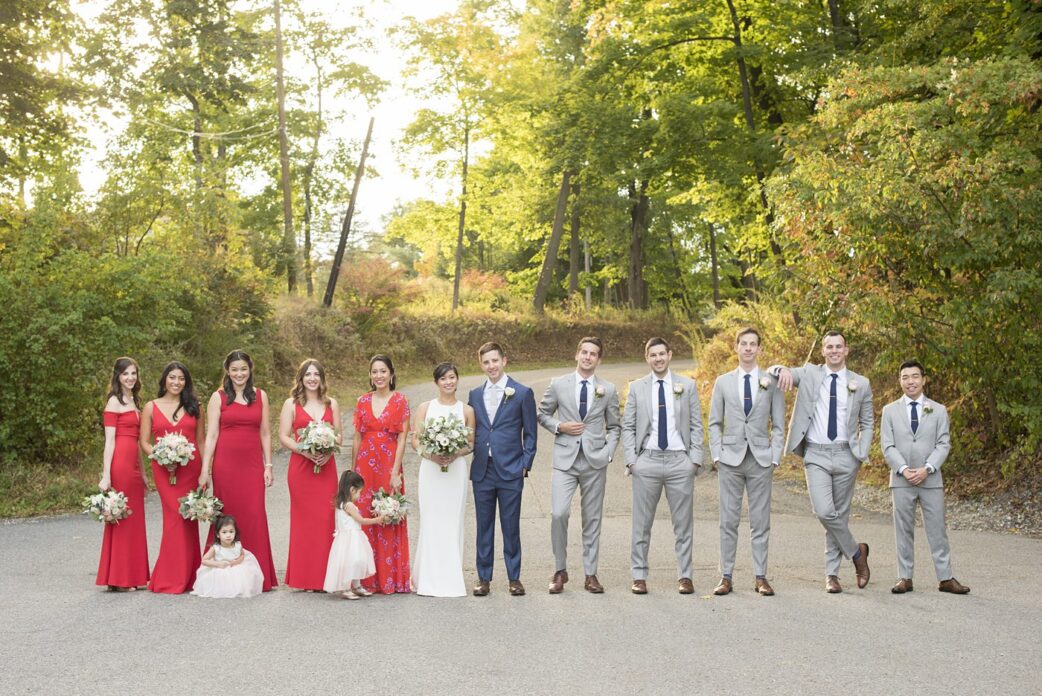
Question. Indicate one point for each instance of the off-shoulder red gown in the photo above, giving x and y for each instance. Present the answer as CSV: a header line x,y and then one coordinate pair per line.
x,y
124,546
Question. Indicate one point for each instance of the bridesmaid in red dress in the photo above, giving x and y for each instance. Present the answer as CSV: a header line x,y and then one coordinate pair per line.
x,y
311,513
238,457
381,426
176,410
124,548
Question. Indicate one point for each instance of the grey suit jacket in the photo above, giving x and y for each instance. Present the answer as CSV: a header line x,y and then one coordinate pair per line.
x,y
601,435
637,415
929,445
860,417
731,431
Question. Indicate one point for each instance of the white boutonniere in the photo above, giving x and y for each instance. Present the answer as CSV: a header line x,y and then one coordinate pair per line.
x,y
508,392
764,383
927,408
598,391
852,387
677,391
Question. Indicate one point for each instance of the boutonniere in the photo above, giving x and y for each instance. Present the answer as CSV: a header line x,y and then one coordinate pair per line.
x,y
852,387
764,383
927,408
677,391
508,392
598,392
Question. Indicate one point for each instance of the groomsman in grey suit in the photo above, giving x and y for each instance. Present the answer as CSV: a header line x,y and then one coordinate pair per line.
x,y
832,429
662,441
582,411
915,443
746,435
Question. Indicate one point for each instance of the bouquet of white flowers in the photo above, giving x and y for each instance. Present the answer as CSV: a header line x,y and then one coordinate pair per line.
x,y
392,506
444,435
200,506
171,451
110,506
317,437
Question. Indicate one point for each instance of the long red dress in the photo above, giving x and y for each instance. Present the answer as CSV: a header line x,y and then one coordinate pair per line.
x,y
374,461
311,512
124,546
238,479
179,552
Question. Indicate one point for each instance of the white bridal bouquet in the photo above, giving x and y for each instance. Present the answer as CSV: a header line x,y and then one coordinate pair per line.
x,y
110,506
200,506
317,437
444,435
393,506
171,451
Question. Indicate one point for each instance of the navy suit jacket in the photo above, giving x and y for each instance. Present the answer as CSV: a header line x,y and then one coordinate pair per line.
x,y
512,435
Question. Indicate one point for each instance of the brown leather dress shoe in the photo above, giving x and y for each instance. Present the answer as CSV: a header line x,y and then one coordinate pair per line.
x,y
954,586
558,581
832,585
723,588
639,587
763,588
903,585
481,589
684,586
516,588
593,585
861,567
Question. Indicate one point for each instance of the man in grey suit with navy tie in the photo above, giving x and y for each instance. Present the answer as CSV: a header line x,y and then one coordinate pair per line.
x,y
746,434
915,442
582,411
832,430
662,442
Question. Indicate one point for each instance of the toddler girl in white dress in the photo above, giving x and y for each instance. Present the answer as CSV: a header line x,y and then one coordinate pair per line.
x,y
351,556
228,570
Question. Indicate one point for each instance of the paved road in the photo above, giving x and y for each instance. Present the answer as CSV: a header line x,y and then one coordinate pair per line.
x,y
62,635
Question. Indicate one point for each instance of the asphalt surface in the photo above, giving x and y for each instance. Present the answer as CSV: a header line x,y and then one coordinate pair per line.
x,y
60,634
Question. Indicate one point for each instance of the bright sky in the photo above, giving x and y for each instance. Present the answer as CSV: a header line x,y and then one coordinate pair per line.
x,y
394,111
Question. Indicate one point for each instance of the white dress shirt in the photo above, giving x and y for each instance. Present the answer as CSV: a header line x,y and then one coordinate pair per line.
x,y
754,385
819,427
589,390
672,434
908,413
493,394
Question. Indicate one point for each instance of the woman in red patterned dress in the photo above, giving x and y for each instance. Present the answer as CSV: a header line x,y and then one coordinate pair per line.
x,y
381,426
175,410
311,494
238,456
123,565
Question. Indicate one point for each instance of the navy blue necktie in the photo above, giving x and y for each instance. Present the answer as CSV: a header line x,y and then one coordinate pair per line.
x,y
582,401
748,401
833,408
663,437
915,417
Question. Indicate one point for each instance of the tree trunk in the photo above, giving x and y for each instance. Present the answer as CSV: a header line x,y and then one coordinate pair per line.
x,y
677,273
715,265
546,275
345,230
289,239
573,247
309,173
462,218
586,267
844,35
638,226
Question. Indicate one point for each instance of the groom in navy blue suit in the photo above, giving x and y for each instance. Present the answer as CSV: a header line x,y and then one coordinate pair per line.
x,y
504,449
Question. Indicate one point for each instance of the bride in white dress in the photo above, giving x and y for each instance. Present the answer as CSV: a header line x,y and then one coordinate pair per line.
x,y
438,561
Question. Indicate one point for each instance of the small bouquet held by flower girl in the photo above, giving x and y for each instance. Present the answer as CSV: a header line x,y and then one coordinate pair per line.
x,y
317,437
393,506
110,507
200,506
171,451
444,435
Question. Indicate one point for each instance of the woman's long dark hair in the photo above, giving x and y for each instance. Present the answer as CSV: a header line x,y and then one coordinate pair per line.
x,y
116,389
189,401
348,480
248,392
386,360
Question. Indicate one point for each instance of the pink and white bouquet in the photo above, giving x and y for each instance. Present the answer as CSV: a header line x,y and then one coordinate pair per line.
x,y
392,506
444,435
200,506
109,507
317,437
171,451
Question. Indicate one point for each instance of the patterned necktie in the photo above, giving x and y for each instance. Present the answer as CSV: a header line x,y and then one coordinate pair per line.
x,y
582,401
915,417
748,401
833,408
663,438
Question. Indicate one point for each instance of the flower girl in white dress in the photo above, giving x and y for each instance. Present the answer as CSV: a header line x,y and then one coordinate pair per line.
x,y
228,570
351,556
